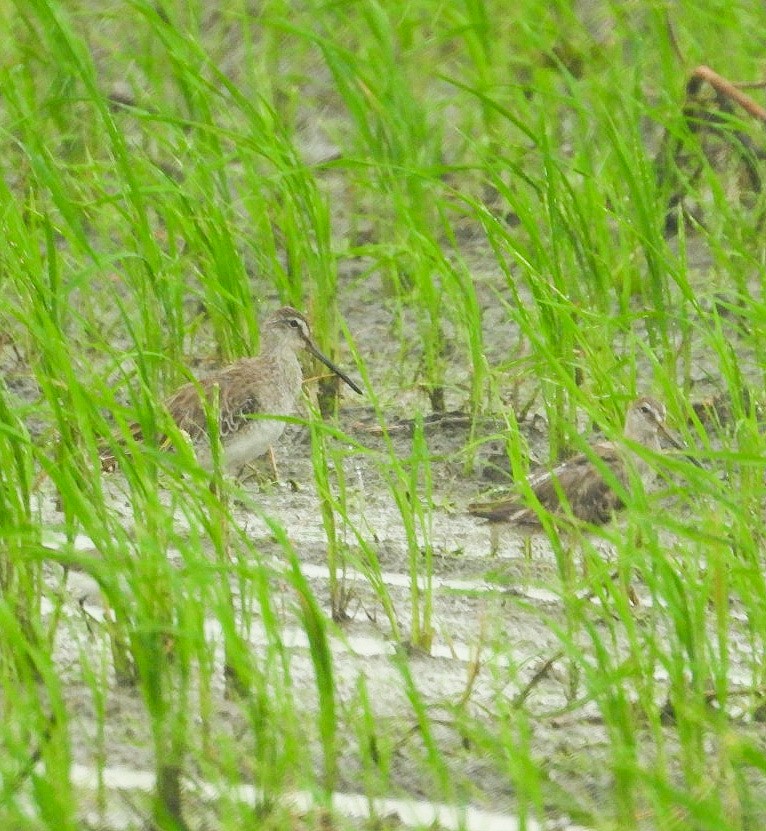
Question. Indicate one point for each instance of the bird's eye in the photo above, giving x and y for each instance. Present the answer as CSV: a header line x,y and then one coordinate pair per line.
x,y
295,323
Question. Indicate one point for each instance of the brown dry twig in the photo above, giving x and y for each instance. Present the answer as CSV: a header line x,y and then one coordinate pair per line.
x,y
726,89
711,119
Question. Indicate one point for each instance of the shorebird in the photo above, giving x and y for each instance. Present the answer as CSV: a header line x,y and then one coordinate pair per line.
x,y
249,389
577,486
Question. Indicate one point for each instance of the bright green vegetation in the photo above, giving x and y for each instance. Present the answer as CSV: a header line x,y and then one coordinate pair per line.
x,y
169,167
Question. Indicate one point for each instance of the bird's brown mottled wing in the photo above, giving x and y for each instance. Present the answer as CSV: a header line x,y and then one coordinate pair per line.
x,y
185,408
589,497
499,510
236,402
547,487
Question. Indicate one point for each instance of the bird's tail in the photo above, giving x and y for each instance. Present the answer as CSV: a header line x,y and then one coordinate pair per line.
x,y
501,510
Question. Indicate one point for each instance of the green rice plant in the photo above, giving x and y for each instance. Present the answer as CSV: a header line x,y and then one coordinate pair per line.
x,y
315,627
390,124
474,24
330,443
335,558
421,588
551,324
36,732
275,173
410,483
444,293
95,671
443,782
20,576
468,314
241,594
336,505
674,639
74,63
324,299
375,751
162,651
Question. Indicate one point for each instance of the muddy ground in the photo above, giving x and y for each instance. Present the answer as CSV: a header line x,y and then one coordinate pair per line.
x,y
495,614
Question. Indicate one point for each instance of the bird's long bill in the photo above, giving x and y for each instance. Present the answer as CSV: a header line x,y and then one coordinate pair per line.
x,y
672,439
331,366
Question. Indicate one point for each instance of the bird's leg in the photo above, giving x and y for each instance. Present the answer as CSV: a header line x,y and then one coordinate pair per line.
x,y
254,470
626,583
494,538
527,549
273,462
584,566
626,577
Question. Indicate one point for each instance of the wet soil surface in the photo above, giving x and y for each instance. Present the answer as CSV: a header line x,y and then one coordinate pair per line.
x,y
497,658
